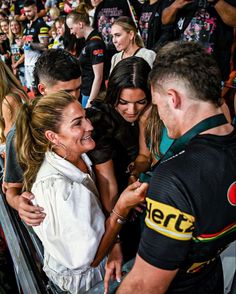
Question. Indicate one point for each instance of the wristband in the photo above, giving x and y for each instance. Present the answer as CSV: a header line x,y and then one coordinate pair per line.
x,y
121,219
117,241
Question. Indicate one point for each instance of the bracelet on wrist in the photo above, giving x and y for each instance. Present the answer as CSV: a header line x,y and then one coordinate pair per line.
x,y
117,240
120,219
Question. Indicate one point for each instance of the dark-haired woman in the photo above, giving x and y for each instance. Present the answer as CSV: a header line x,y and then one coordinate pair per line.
x,y
116,133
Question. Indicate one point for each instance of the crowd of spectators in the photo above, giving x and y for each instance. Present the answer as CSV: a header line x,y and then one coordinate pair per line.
x,y
27,28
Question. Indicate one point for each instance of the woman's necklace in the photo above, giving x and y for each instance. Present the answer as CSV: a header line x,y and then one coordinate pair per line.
x,y
127,54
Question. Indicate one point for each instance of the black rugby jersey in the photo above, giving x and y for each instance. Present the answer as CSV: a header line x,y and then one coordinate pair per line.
x,y
191,208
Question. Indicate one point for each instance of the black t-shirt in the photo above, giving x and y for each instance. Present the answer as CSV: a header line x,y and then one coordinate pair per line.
x,y
92,53
191,208
31,32
199,21
13,171
150,23
19,6
115,139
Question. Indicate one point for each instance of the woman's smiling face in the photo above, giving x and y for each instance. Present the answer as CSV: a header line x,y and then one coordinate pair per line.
x,y
75,132
131,103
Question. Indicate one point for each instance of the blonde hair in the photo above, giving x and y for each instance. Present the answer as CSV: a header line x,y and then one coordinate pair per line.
x,y
80,14
11,35
54,12
153,132
34,119
128,25
9,86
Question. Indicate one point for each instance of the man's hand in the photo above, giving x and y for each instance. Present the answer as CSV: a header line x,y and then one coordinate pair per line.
x,y
113,266
32,215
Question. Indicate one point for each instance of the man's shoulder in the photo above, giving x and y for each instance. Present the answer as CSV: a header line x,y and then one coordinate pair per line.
x,y
95,39
40,22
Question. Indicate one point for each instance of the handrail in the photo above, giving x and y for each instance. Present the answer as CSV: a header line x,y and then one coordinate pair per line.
x,y
18,242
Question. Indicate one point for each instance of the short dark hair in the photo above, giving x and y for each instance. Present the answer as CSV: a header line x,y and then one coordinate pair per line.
x,y
190,62
131,72
55,65
28,3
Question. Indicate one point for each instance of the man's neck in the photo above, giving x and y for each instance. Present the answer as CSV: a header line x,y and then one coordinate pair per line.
x,y
33,20
195,115
87,31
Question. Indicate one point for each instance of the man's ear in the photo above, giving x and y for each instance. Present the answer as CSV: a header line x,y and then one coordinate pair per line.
x,y
42,89
175,98
52,137
81,24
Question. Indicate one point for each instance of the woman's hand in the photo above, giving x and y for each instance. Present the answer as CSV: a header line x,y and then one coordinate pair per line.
x,y
113,266
132,196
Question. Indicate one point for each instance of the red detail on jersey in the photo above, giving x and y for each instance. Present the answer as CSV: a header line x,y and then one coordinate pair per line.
x,y
232,194
98,52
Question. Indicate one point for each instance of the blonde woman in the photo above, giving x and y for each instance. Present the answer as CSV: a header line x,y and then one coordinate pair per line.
x,y
17,52
128,42
59,173
12,96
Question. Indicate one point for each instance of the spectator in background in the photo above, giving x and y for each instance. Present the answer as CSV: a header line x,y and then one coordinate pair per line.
x,y
5,53
153,33
3,15
19,9
92,57
52,15
72,44
4,26
5,6
12,96
59,26
32,46
128,42
49,4
105,14
207,22
17,52
91,6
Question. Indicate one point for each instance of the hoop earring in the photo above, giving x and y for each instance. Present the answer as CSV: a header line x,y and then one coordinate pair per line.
x,y
57,146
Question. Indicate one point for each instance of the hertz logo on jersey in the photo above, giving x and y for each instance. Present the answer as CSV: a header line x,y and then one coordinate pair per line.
x,y
169,221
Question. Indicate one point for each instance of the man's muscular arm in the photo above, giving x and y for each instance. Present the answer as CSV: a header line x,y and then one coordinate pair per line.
x,y
227,12
32,215
146,278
